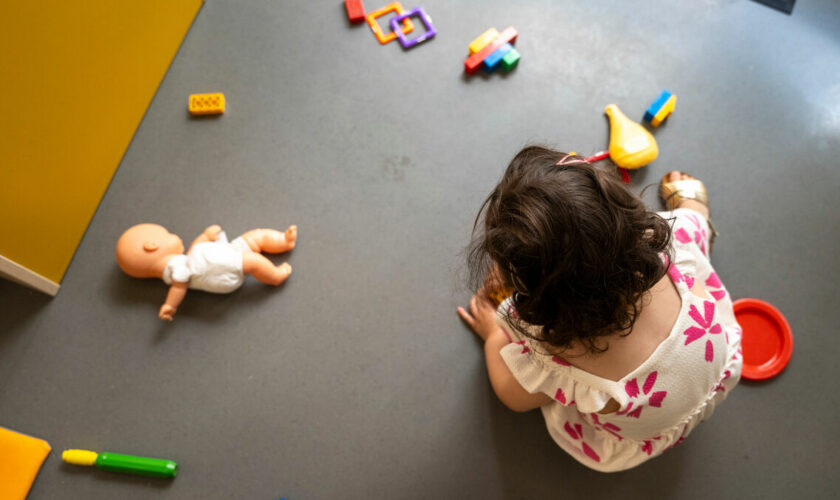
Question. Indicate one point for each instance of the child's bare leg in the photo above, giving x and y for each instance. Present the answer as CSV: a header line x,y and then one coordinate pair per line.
x,y
264,270
271,240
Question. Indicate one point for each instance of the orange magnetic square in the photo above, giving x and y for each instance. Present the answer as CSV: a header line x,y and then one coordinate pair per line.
x,y
21,457
408,26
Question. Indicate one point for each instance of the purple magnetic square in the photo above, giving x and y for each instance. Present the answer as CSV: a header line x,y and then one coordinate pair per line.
x,y
427,21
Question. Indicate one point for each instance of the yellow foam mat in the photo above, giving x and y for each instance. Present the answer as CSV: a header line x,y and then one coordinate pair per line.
x,y
21,457
77,79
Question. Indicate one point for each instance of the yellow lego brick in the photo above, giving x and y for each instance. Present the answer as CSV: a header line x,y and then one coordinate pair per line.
x,y
483,39
665,111
207,104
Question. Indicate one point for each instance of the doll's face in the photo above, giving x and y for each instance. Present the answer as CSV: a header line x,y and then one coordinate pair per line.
x,y
142,247
170,243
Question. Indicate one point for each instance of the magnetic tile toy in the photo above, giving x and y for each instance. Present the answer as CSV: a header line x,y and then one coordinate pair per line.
x,y
427,22
408,26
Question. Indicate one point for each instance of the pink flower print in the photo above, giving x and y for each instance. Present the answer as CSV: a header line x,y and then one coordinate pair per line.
x,y
647,446
682,236
700,234
720,387
677,276
560,396
714,282
655,398
560,361
693,333
525,348
576,433
606,427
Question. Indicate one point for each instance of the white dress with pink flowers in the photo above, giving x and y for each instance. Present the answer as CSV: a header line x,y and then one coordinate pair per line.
x,y
661,401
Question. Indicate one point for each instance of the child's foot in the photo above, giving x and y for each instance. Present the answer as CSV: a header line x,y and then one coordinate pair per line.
x,y
291,237
693,204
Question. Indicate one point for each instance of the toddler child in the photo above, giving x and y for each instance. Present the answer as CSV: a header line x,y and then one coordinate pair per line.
x,y
618,327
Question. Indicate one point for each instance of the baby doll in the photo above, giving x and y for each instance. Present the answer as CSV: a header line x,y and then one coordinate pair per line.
x,y
211,264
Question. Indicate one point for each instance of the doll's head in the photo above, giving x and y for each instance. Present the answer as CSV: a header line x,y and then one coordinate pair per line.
x,y
143,250
575,244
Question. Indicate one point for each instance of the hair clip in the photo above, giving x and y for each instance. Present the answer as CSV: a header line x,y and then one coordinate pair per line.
x,y
572,161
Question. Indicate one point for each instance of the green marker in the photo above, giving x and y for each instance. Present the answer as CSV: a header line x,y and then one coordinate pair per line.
x,y
116,462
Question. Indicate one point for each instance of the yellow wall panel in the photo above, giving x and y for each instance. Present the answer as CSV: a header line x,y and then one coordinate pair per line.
x,y
75,82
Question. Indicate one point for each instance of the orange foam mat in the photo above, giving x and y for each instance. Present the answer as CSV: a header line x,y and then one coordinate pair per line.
x,y
21,457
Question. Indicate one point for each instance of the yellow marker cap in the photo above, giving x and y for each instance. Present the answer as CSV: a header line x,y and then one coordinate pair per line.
x,y
79,457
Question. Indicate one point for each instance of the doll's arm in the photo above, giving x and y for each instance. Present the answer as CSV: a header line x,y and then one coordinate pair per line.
x,y
505,385
173,299
209,234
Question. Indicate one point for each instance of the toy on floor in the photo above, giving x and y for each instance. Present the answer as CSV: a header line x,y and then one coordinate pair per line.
x,y
397,7
492,48
21,457
403,17
766,338
207,104
631,146
603,155
427,22
661,108
117,462
355,11
211,264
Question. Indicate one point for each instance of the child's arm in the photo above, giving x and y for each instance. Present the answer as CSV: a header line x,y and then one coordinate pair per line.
x,y
173,299
209,234
481,318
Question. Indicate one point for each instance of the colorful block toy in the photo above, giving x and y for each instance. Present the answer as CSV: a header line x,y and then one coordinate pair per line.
x,y
496,57
408,26
661,108
508,36
355,10
483,39
511,59
207,104
427,22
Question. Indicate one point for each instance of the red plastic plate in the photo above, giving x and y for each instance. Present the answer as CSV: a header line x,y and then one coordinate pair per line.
x,y
767,340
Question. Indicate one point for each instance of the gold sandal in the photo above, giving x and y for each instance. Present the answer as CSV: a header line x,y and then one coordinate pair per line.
x,y
675,192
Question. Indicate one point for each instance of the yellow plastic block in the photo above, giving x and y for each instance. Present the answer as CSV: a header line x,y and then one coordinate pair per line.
x,y
21,457
207,104
483,39
665,111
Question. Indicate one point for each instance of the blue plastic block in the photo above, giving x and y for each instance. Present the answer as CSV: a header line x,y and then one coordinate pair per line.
x,y
495,58
657,104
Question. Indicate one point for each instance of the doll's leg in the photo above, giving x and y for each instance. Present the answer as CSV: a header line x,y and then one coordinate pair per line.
x,y
264,270
271,240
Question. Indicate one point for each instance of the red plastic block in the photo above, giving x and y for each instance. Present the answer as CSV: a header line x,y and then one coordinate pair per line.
x,y
474,61
355,10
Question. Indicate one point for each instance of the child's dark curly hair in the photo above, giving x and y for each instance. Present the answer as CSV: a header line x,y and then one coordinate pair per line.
x,y
579,249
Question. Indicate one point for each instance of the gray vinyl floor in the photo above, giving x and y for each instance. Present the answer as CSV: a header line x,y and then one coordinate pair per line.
x,y
356,379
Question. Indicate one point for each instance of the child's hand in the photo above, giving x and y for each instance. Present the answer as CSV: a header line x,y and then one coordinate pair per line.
x,y
212,232
481,316
166,312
